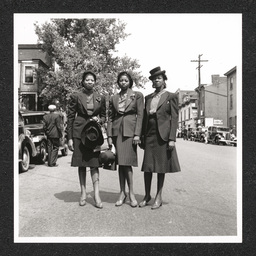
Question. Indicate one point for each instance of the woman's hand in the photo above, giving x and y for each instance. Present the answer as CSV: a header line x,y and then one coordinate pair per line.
x,y
136,140
110,142
70,145
171,145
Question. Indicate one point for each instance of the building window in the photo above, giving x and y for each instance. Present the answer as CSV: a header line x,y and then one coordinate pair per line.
x,y
231,82
28,74
231,101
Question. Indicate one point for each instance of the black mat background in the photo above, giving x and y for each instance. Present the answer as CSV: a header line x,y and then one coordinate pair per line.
x,y
8,8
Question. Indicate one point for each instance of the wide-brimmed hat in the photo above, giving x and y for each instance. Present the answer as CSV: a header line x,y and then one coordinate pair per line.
x,y
91,136
157,71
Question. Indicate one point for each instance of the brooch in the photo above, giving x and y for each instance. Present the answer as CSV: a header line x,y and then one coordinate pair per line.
x,y
132,96
98,99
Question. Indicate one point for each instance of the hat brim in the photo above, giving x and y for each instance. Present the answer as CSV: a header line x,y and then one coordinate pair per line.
x,y
85,138
160,72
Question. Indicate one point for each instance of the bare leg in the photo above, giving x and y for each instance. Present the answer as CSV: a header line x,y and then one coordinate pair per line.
x,y
122,179
129,175
95,182
82,180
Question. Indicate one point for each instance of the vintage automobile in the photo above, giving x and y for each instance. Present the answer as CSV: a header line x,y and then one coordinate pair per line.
x,y
27,148
33,120
219,135
200,134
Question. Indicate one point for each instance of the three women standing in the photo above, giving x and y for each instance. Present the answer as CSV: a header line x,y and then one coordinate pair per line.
x,y
159,136
82,108
124,130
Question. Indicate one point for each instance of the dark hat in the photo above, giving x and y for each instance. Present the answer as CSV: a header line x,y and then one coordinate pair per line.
x,y
107,159
91,136
86,72
157,71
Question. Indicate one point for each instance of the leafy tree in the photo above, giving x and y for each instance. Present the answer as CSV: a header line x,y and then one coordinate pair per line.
x,y
79,44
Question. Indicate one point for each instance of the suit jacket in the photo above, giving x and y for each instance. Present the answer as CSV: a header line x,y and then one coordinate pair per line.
x,y
166,114
78,115
132,117
52,124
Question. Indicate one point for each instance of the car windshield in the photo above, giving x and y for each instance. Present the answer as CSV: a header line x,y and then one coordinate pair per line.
x,y
33,119
223,129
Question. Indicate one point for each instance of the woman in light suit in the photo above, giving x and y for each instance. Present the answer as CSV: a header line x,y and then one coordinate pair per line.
x,y
124,130
82,108
159,136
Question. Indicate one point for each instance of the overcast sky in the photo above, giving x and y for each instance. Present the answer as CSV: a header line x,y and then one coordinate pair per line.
x,y
170,41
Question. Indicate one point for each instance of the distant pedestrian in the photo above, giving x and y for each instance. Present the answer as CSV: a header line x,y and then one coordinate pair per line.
x,y
206,136
53,128
159,135
84,107
124,130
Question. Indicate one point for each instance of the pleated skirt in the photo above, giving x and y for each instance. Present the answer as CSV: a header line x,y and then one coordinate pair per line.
x,y
157,159
126,152
84,157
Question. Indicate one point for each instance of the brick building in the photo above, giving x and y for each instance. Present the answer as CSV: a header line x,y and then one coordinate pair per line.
x,y
231,97
31,58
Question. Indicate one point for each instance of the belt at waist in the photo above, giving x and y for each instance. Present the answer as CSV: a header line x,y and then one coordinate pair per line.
x,y
153,115
85,116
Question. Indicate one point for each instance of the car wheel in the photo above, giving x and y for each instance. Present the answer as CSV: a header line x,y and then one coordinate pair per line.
x,y
43,154
24,164
217,141
64,151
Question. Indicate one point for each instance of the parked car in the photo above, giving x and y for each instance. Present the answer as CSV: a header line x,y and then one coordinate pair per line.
x,y
27,148
219,135
33,121
200,134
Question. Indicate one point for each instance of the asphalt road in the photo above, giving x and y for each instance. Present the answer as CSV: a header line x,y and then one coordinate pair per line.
x,y
199,201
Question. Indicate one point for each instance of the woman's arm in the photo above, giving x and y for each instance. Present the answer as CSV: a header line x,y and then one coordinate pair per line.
x,y
174,117
72,109
140,112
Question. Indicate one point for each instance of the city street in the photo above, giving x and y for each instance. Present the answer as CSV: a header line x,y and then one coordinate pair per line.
x,y
198,201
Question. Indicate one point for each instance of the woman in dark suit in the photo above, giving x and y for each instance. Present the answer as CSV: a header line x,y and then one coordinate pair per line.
x,y
159,135
124,130
82,108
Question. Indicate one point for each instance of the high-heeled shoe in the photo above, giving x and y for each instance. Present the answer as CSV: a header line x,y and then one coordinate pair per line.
x,y
144,202
98,205
120,202
134,203
82,201
156,205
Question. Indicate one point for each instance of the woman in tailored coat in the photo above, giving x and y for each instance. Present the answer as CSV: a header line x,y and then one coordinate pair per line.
x,y
124,130
82,108
159,135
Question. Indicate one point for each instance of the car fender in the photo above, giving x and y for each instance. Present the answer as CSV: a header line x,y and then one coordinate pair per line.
x,y
25,140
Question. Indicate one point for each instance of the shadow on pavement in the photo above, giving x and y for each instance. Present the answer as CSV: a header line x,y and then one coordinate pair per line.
x,y
108,197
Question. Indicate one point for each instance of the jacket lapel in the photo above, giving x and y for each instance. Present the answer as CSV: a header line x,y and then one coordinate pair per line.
x,y
115,101
129,99
149,102
162,99
83,99
96,102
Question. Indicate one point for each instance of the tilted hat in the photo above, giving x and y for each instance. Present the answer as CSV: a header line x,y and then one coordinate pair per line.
x,y
51,107
157,71
91,136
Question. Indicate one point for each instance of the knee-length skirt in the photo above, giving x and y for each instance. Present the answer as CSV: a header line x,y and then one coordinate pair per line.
x,y
126,152
157,159
84,157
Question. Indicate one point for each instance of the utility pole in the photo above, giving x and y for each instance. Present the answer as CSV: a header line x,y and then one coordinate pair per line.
x,y
200,111
199,67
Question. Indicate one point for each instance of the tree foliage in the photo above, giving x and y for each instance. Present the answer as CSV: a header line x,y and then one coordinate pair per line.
x,y
80,44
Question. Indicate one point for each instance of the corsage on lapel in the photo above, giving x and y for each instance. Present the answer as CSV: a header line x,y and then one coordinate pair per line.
x,y
98,99
132,97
